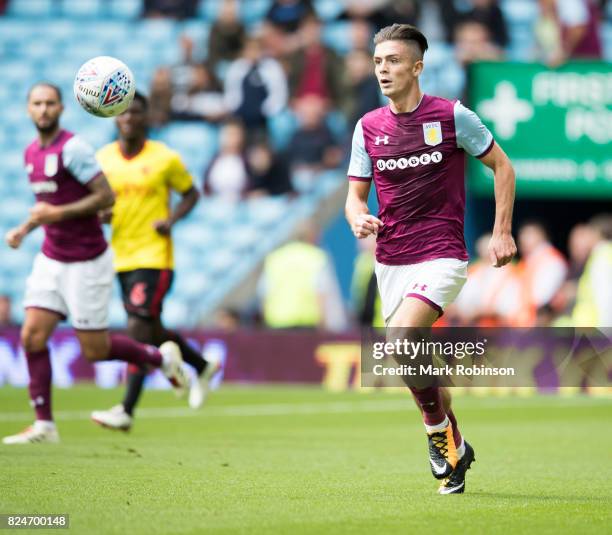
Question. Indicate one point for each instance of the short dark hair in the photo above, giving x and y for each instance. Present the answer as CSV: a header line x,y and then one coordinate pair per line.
x,y
402,32
139,97
55,88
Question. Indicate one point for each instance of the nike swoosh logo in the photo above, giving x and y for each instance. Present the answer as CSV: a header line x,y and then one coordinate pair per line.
x,y
438,469
447,490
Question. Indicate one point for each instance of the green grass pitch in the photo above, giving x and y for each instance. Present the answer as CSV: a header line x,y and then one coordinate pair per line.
x,y
300,460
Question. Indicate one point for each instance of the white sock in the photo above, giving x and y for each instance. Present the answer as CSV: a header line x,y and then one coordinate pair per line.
x,y
44,424
437,428
461,449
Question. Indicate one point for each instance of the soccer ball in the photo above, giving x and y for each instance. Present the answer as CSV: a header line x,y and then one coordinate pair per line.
x,y
104,86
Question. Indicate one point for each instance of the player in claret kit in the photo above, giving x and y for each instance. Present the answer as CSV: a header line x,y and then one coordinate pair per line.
x,y
414,151
72,275
142,174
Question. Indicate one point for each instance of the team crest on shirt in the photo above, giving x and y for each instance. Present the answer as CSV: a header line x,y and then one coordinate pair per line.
x,y
51,164
432,132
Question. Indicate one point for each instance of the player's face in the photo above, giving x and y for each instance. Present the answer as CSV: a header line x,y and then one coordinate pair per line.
x,y
132,123
45,108
396,68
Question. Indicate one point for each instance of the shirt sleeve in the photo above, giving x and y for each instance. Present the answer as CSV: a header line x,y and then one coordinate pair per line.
x,y
179,178
472,136
80,159
360,165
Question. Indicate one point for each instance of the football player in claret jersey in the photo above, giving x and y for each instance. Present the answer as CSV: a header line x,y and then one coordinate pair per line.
x,y
414,152
72,275
142,174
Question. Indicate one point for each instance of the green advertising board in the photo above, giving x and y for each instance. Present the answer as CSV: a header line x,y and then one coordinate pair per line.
x,y
554,124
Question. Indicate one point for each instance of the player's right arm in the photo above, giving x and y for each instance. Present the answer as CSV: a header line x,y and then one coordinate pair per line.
x,y
80,159
15,236
358,215
100,198
362,223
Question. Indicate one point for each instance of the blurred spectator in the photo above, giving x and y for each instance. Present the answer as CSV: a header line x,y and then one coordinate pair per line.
x,y
581,240
490,296
364,287
6,319
288,14
438,20
3,5
473,43
186,91
362,94
380,13
362,35
269,171
315,69
568,29
227,35
227,319
255,87
298,286
313,146
488,13
542,271
171,9
594,296
227,176
276,43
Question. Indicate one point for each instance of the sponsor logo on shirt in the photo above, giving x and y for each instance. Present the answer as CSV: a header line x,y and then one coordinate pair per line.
x,y
47,186
413,161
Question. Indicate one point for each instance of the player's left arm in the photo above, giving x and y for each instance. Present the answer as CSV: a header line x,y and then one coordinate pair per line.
x,y
474,137
100,197
178,179
188,200
501,247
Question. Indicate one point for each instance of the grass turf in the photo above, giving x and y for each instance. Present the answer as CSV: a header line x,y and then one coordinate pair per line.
x,y
301,460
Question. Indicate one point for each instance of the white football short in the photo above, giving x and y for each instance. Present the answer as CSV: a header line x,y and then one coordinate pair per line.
x,y
437,282
78,290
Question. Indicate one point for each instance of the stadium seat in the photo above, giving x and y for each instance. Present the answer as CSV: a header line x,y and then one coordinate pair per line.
x,y
253,11
82,8
281,127
30,8
520,11
124,9
328,9
337,35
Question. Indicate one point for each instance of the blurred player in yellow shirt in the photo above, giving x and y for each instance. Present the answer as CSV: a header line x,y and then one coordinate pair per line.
x,y
143,173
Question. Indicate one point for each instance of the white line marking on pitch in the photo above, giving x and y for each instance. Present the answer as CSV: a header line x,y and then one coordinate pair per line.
x,y
280,409
284,409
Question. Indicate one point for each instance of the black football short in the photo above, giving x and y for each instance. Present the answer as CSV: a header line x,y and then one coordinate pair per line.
x,y
143,291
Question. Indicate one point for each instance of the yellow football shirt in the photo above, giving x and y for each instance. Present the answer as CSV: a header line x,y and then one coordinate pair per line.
x,y
142,186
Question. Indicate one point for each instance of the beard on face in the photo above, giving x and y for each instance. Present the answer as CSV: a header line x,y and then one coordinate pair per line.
x,y
49,128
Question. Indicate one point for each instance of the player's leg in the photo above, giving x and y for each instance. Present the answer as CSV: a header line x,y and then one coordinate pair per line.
x,y
37,328
86,288
415,313
426,290
45,307
205,369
